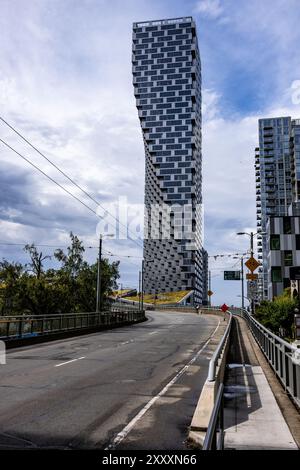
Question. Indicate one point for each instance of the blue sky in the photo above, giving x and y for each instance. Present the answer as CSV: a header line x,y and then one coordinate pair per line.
x,y
65,82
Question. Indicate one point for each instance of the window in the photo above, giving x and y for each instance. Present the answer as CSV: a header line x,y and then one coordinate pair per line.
x,y
287,226
275,242
297,242
276,274
288,258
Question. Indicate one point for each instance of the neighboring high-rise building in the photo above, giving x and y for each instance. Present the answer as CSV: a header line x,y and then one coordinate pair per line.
x,y
277,166
295,162
283,237
205,277
167,87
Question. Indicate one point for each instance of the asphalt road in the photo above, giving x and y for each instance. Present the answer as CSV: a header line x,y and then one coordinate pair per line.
x,y
128,388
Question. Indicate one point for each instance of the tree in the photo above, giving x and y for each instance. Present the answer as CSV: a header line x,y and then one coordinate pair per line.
x,y
72,261
278,315
71,288
10,274
36,260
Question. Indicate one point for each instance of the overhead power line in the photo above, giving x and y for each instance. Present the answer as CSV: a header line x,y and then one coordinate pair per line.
x,y
63,173
49,177
58,184
229,255
108,253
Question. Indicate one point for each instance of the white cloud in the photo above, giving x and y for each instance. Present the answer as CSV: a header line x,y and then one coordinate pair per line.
x,y
67,86
210,8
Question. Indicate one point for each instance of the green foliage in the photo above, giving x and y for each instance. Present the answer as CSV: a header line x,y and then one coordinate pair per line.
x,y
10,274
70,288
36,260
278,315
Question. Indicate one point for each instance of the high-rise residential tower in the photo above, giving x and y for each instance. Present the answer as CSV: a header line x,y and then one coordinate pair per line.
x,y
277,166
167,87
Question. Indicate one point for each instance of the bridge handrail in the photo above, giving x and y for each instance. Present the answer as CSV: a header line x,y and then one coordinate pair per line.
x,y
281,355
268,332
24,326
217,354
214,437
211,441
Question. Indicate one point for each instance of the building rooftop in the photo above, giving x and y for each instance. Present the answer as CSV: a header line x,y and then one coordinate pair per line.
x,y
165,21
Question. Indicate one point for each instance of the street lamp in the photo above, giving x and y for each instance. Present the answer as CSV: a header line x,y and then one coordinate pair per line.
x,y
245,297
242,276
98,297
251,235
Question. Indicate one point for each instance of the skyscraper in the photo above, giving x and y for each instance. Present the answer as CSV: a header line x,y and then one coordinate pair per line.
x,y
167,87
277,166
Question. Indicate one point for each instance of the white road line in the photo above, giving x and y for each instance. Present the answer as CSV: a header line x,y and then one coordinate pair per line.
x,y
153,333
68,362
122,434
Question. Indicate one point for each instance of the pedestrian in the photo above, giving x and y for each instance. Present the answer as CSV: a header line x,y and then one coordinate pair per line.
x,y
198,309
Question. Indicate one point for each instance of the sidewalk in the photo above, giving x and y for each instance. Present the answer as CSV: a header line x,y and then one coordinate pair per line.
x,y
252,417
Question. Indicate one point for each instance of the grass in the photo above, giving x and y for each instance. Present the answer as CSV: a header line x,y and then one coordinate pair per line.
x,y
121,292
162,298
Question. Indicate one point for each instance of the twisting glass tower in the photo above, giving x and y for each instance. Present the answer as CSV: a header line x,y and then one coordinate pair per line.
x,y
167,87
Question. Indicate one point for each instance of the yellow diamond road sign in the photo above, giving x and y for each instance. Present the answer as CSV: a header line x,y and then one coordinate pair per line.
x,y
252,264
210,292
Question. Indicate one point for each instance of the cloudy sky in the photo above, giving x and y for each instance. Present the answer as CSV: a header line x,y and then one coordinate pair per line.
x,y
65,83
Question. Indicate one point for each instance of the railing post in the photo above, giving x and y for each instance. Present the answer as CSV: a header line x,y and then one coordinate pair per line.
x,y
20,328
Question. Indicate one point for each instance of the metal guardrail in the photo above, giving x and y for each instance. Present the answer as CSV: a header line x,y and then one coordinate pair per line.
x,y
280,355
26,326
218,352
214,438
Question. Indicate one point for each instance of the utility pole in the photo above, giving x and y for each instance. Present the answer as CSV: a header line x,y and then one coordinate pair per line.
x,y
209,288
98,299
251,235
242,275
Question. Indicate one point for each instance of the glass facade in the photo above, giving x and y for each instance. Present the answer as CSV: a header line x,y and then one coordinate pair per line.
x,y
277,167
167,87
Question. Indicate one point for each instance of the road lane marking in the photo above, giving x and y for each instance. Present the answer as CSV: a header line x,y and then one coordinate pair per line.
x,y
68,362
153,333
122,434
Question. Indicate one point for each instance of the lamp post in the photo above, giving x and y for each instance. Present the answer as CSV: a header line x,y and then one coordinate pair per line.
x,y
251,235
242,276
98,296
245,297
